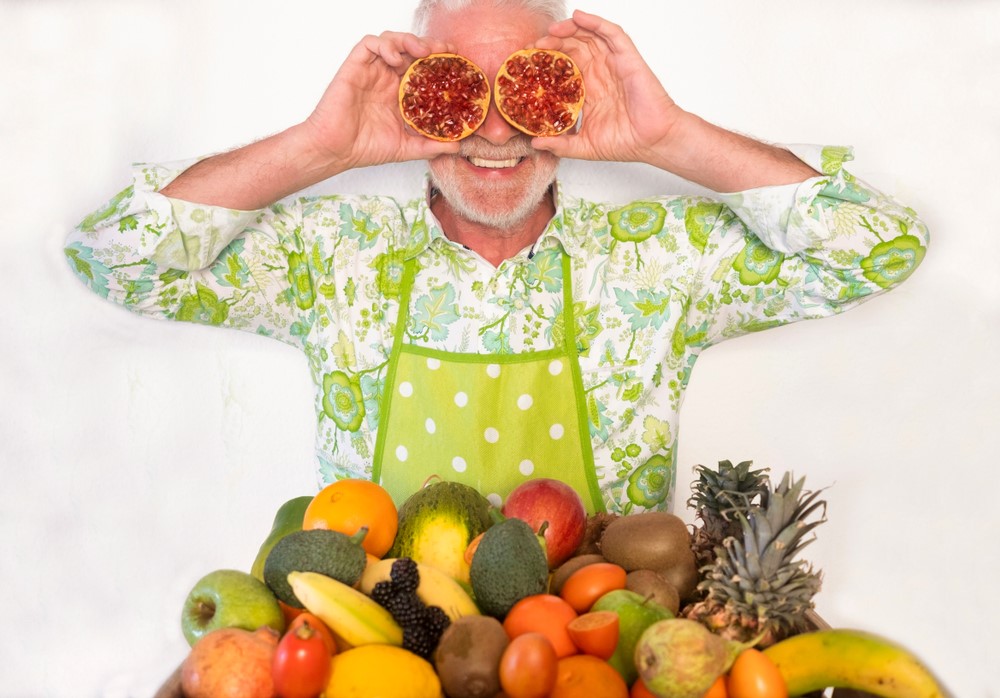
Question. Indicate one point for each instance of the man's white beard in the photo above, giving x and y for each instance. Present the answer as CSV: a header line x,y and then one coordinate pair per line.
x,y
468,207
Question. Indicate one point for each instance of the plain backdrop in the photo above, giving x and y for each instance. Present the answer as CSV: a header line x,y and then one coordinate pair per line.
x,y
139,455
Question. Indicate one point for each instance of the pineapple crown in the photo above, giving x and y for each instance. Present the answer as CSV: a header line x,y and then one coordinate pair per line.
x,y
759,576
775,532
720,493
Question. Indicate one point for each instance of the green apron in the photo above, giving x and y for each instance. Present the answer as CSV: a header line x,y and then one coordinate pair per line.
x,y
488,421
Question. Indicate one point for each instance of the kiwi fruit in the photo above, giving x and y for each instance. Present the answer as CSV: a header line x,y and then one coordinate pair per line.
x,y
467,658
652,540
653,585
567,568
684,576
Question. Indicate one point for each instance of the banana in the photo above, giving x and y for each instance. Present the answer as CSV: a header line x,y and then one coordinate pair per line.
x,y
853,659
350,614
436,588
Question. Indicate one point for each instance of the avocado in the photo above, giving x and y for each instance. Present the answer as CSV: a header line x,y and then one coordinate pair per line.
x,y
321,550
437,523
509,565
287,519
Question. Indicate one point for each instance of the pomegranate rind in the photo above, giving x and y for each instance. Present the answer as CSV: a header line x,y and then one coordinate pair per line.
x,y
444,96
539,92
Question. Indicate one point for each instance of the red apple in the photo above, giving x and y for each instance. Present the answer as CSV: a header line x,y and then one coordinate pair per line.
x,y
544,499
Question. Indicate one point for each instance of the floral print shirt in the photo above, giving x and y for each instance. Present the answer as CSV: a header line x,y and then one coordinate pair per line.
x,y
655,283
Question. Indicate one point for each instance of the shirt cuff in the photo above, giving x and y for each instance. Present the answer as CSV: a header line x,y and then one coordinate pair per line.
x,y
181,234
784,216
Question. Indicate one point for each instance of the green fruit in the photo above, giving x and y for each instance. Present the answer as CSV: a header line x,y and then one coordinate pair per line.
x,y
437,523
635,614
287,519
509,565
321,550
229,599
682,658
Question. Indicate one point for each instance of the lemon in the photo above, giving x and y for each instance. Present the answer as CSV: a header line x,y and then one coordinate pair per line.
x,y
381,671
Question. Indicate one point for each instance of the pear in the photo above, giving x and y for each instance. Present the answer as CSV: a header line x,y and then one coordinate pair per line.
x,y
680,658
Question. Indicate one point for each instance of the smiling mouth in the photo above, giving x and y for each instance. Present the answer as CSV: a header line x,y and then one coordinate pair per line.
x,y
494,164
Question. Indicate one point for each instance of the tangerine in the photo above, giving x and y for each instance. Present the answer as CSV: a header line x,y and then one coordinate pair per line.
x,y
595,633
348,505
546,614
586,676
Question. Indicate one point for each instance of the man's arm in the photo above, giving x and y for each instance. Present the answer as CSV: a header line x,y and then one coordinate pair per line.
x,y
355,124
629,117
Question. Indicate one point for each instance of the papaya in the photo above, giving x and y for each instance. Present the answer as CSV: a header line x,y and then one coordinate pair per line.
x,y
287,519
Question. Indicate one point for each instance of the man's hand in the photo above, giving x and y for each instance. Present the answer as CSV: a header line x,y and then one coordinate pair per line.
x,y
355,124
629,117
357,121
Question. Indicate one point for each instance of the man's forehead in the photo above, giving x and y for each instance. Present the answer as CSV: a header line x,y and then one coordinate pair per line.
x,y
484,24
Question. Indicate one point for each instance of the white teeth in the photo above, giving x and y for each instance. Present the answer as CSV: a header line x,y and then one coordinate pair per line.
x,y
494,164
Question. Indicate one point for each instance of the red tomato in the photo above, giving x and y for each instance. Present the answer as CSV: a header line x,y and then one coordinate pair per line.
x,y
591,582
301,665
528,667
754,675
317,625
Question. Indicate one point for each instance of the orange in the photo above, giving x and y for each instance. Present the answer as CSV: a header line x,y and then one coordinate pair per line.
x,y
546,614
595,633
349,505
639,690
591,582
718,689
586,676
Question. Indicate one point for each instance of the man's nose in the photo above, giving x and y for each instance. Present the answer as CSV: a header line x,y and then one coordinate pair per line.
x,y
495,128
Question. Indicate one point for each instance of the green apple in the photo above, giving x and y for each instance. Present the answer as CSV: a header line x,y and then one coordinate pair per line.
x,y
635,614
229,599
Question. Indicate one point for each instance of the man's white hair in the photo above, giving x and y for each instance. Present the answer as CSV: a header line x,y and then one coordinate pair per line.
x,y
555,9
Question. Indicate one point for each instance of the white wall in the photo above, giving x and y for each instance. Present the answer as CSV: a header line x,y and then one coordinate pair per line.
x,y
139,455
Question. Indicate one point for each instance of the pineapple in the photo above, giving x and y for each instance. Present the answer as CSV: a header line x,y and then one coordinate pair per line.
x,y
756,588
717,496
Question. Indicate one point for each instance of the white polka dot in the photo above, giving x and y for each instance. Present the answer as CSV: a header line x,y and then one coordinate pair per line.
x,y
556,431
556,367
526,467
433,364
459,464
525,401
430,425
495,499
491,435
493,370
401,453
406,388
461,399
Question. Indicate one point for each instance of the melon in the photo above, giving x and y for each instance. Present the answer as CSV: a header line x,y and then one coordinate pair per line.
x,y
437,523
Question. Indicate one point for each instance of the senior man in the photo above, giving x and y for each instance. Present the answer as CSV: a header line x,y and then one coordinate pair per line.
x,y
499,328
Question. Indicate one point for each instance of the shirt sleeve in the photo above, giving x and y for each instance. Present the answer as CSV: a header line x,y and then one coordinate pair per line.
x,y
776,255
171,259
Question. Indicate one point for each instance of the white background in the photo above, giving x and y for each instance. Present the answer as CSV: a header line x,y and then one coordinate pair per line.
x,y
138,455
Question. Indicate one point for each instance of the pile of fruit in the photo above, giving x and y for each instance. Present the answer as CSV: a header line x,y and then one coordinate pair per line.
x,y
449,596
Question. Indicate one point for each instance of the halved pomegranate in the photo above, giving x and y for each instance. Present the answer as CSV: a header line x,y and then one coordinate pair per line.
x,y
539,91
444,96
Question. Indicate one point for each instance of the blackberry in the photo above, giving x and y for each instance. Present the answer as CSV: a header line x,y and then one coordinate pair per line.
x,y
383,593
422,624
405,575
